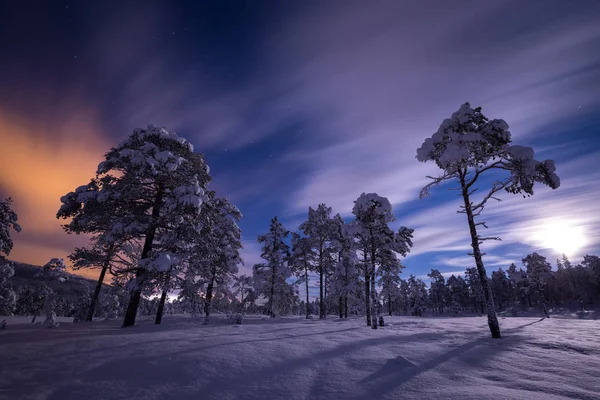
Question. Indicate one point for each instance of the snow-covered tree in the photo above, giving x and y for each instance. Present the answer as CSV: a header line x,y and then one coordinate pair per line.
x,y
469,145
8,297
501,289
375,238
53,270
476,292
346,276
320,229
404,296
539,272
149,182
242,285
519,285
389,279
302,262
220,245
270,277
117,257
417,293
458,293
190,291
8,221
437,290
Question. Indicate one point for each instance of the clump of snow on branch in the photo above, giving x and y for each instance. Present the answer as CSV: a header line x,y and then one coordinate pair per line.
x,y
469,140
8,221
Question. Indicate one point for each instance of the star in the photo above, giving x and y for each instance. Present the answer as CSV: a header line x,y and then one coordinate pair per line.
x,y
74,56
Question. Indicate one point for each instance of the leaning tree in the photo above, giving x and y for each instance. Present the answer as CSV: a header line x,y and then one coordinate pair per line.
x,y
468,146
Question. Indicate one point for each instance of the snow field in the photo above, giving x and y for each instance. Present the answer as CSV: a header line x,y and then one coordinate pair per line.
x,y
293,358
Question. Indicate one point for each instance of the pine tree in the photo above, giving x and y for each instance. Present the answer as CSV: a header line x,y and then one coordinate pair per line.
x,y
270,277
404,296
148,182
8,221
468,145
53,270
345,278
320,229
501,289
216,248
374,237
476,291
242,286
302,259
389,279
417,292
458,294
538,273
8,297
437,290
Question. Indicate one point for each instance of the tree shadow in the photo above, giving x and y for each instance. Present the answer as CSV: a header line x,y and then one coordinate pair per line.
x,y
400,370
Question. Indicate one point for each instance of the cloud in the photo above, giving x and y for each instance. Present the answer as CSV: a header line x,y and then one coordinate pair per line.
x,y
374,91
523,224
40,162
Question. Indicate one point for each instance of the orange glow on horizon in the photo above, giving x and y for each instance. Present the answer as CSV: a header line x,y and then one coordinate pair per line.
x,y
39,163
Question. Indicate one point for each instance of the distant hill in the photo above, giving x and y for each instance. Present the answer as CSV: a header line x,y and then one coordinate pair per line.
x,y
24,275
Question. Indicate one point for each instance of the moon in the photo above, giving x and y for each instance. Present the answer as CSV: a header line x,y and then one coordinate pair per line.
x,y
564,237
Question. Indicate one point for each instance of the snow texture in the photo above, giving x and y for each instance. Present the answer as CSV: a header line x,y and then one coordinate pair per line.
x,y
295,358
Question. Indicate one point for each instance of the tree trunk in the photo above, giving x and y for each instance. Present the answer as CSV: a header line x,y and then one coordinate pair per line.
x,y
375,309
374,303
209,295
390,304
367,295
321,284
272,294
306,282
341,306
90,314
487,289
161,307
543,301
136,294
325,305
346,307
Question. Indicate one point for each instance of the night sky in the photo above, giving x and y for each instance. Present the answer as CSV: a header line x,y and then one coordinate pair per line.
x,y
298,103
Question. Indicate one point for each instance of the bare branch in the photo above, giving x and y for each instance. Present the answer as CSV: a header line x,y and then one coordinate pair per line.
x,y
435,182
495,188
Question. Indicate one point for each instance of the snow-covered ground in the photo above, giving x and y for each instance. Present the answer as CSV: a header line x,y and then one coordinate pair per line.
x,y
293,358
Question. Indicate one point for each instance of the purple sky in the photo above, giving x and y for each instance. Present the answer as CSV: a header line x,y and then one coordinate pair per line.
x,y
310,102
